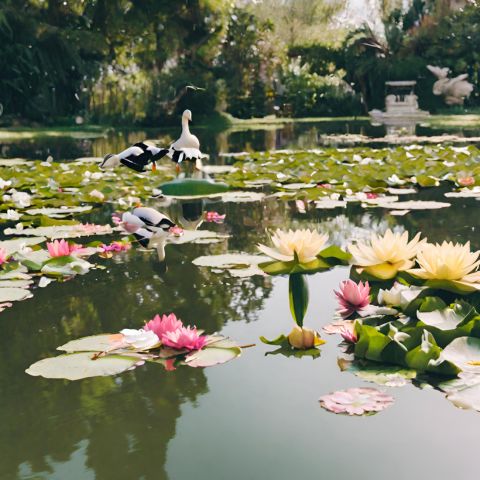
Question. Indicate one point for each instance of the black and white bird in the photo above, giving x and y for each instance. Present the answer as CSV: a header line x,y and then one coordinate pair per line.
x,y
137,157
151,228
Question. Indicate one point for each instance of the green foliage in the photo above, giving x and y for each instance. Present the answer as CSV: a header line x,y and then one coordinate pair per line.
x,y
249,64
413,40
309,94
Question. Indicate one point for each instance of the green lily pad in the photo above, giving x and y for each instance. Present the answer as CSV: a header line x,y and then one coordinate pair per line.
x,y
76,366
192,187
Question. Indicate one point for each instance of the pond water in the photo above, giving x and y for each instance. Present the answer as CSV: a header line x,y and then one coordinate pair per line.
x,y
304,134
257,417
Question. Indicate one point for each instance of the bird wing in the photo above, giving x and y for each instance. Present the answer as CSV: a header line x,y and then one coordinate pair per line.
x,y
133,151
181,154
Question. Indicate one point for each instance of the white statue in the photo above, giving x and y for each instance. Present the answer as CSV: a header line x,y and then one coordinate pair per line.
x,y
455,90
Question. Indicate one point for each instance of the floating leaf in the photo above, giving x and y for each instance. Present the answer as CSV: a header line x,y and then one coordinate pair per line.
x,y
94,343
192,187
237,264
356,401
12,294
214,354
76,366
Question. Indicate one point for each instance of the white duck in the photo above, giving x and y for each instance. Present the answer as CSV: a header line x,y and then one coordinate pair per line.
x,y
187,147
151,228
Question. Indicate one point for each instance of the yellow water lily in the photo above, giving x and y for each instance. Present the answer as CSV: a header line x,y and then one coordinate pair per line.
x,y
448,261
307,244
303,338
384,256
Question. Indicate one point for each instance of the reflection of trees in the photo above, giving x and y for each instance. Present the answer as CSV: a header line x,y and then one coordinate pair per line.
x,y
126,420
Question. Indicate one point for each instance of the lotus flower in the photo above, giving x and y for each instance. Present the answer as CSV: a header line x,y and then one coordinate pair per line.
x,y
62,248
399,295
304,338
163,325
452,262
337,326
466,180
92,229
306,244
141,339
214,217
184,338
3,256
356,401
353,297
348,333
115,246
116,219
386,255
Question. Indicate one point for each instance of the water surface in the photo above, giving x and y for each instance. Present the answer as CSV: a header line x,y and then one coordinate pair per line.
x,y
257,417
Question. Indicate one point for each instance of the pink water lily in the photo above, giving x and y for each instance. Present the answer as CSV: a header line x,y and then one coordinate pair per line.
x,y
3,256
164,324
466,181
115,246
184,338
337,326
116,219
91,228
352,297
214,217
348,334
356,401
61,248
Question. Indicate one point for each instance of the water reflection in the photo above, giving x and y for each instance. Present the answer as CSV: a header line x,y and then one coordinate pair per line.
x,y
122,427
303,135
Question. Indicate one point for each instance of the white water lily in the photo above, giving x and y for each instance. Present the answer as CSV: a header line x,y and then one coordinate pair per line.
x,y
4,183
21,199
398,337
143,339
306,244
386,255
97,194
11,215
399,295
448,261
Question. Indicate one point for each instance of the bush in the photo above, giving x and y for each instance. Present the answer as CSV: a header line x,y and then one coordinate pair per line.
x,y
309,94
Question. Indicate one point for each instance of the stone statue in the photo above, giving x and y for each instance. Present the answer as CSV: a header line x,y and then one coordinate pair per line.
x,y
455,90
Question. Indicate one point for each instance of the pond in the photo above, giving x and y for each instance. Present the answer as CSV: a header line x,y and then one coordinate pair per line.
x,y
256,417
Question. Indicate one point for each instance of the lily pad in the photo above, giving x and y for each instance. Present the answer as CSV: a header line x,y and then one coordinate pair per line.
x,y
237,264
94,343
192,187
14,294
76,366
414,205
214,354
